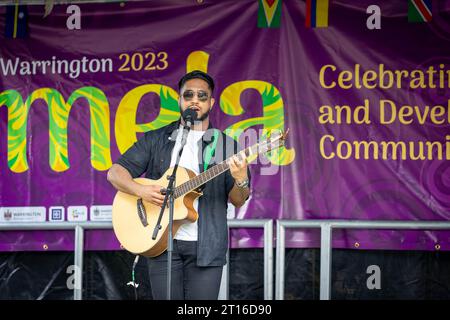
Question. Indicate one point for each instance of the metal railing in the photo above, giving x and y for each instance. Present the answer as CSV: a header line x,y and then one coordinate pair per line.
x,y
267,224
79,228
326,227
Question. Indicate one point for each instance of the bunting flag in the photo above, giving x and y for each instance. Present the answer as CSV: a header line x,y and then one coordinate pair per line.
x,y
316,13
419,11
269,13
48,7
16,21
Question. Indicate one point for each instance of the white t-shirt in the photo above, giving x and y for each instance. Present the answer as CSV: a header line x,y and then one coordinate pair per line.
x,y
189,160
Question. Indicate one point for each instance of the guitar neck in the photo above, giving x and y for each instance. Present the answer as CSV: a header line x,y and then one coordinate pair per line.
x,y
209,174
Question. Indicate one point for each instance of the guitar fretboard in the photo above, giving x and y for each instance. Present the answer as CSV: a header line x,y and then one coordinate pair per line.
x,y
220,168
209,174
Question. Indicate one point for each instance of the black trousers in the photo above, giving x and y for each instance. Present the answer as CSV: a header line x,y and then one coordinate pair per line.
x,y
189,282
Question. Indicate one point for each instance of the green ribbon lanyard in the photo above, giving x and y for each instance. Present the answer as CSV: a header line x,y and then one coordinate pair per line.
x,y
210,149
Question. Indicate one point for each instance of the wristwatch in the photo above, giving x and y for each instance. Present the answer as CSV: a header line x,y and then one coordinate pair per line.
x,y
243,184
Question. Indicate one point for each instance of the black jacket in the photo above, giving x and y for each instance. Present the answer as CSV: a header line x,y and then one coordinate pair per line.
x,y
152,154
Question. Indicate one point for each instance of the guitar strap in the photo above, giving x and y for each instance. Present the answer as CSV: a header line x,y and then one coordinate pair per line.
x,y
210,150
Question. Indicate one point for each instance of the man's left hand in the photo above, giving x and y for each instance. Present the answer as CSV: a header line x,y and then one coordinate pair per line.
x,y
238,168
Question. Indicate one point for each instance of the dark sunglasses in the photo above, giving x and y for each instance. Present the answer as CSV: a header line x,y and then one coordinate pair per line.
x,y
202,96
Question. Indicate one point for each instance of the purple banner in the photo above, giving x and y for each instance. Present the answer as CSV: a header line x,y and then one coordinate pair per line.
x,y
363,89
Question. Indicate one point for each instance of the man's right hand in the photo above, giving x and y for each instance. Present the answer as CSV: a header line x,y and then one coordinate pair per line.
x,y
152,194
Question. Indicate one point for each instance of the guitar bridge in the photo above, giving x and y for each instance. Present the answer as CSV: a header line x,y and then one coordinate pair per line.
x,y
141,212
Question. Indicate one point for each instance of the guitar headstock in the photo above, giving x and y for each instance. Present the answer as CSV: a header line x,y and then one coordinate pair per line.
x,y
275,139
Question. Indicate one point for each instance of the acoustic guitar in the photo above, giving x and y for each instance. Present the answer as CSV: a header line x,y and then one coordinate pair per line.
x,y
135,219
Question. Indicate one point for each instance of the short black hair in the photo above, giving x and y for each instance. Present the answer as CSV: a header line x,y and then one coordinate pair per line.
x,y
197,74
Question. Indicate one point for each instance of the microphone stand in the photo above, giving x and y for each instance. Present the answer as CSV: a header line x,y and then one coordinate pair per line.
x,y
169,196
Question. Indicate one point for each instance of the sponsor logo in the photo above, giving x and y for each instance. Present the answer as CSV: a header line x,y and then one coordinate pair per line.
x,y
101,213
22,214
56,214
77,213
7,215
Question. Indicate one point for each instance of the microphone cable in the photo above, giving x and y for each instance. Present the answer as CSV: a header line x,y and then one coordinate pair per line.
x,y
133,278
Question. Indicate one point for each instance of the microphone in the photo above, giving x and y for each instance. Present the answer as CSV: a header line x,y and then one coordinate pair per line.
x,y
189,116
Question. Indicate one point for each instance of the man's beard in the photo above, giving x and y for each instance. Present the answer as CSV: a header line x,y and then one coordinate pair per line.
x,y
203,117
